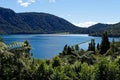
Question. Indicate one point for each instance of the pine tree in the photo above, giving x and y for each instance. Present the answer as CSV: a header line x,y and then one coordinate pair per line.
x,y
92,45
113,47
105,44
65,50
98,46
1,40
76,47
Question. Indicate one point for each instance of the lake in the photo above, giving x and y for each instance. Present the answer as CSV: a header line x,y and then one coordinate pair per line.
x,y
49,45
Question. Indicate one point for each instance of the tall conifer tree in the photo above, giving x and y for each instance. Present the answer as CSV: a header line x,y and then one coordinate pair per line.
x,y
105,44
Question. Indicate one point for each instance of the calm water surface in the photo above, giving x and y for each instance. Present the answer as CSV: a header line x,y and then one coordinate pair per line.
x,y
49,45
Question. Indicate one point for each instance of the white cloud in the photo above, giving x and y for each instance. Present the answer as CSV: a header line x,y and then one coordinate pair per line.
x,y
111,22
29,2
69,15
90,23
85,24
52,1
25,3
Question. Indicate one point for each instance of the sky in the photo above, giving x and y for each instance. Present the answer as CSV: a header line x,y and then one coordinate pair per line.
x,y
82,13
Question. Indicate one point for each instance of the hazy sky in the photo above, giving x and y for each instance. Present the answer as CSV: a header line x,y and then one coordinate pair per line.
x,y
80,12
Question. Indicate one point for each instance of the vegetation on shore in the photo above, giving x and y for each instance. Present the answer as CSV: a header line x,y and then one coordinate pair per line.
x,y
101,62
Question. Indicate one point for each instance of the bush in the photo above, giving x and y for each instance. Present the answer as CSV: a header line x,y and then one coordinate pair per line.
x,y
56,62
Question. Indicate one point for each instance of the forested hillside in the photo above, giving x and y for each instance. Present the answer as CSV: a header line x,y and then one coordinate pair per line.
x,y
33,22
114,30
12,22
100,27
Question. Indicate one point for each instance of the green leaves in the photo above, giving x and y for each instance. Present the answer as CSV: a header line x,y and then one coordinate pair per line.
x,y
56,62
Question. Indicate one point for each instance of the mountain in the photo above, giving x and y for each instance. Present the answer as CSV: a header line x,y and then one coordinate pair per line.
x,y
33,22
114,30
97,29
48,23
100,27
12,22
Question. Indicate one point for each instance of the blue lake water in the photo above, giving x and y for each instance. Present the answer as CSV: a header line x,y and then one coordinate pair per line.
x,y
49,45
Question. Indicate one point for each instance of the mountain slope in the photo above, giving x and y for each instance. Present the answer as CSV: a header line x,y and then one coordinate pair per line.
x,y
114,30
97,28
100,27
11,22
33,22
48,23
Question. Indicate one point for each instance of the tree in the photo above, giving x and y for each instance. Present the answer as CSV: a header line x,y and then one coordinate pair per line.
x,y
1,40
92,45
105,44
65,50
113,47
41,71
26,43
87,72
76,47
106,69
98,46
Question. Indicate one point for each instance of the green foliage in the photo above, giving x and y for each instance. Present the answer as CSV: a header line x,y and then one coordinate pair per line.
x,y
106,70
87,72
69,51
77,69
58,75
68,71
56,62
43,72
26,43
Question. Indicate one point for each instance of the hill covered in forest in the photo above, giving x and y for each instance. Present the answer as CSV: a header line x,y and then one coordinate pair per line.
x,y
99,27
113,30
44,23
33,22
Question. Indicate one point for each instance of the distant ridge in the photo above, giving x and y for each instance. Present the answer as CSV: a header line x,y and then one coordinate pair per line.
x,y
99,27
44,23
113,30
